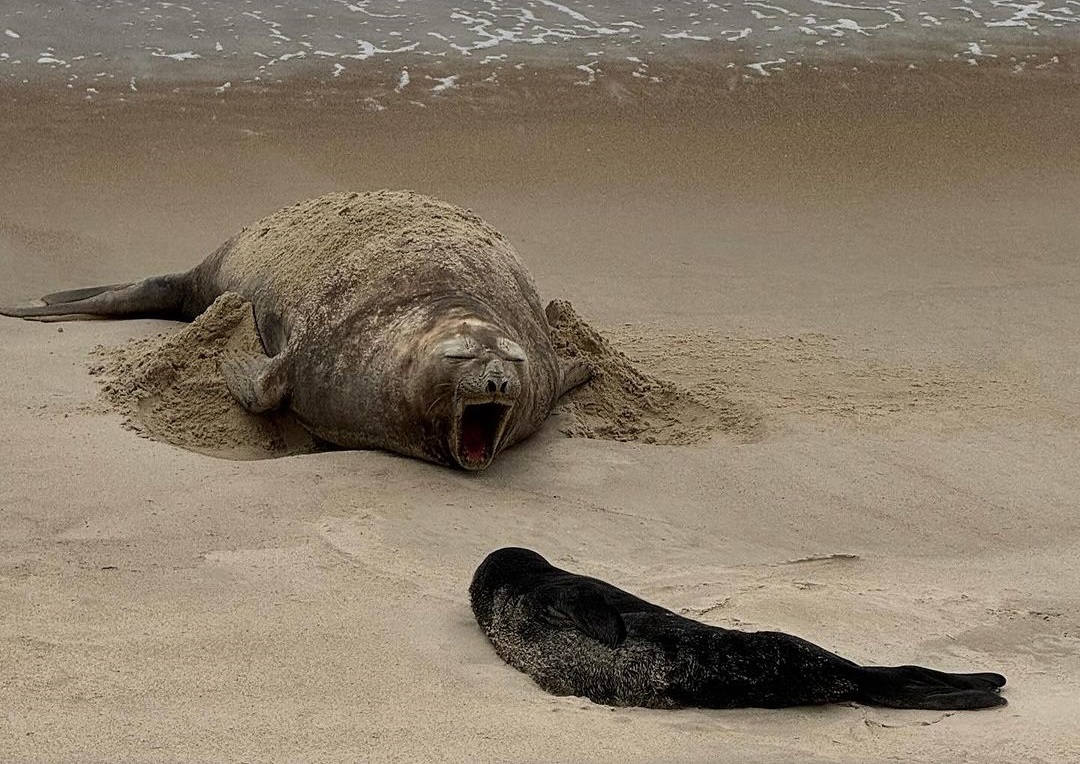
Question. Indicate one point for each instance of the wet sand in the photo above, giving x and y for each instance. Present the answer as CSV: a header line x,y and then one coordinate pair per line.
x,y
885,269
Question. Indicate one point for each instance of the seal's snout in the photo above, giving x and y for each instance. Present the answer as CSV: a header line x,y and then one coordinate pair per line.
x,y
497,379
489,370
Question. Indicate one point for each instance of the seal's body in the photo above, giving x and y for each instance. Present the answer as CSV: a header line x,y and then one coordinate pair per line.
x,y
576,635
390,320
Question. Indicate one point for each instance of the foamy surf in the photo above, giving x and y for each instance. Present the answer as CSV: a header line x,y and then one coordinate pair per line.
x,y
479,41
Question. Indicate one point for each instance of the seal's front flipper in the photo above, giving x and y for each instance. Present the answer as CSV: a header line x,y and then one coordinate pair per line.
x,y
157,296
575,372
918,687
257,381
586,609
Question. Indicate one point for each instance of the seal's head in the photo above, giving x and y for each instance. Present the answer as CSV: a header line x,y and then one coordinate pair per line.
x,y
504,573
483,371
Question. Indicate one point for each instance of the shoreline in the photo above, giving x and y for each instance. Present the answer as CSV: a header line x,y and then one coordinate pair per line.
x,y
539,89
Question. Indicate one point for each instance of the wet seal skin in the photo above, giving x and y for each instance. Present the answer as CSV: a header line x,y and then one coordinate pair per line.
x,y
390,320
576,635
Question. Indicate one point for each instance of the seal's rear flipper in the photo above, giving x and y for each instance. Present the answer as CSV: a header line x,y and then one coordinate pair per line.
x,y
72,295
157,296
258,382
918,687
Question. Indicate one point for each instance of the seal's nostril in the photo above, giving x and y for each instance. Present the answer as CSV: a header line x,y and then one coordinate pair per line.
x,y
504,386
491,386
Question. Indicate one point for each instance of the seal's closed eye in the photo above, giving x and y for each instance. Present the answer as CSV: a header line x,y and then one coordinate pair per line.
x,y
459,348
512,351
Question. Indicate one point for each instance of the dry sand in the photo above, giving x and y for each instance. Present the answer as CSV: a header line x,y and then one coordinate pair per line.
x,y
884,299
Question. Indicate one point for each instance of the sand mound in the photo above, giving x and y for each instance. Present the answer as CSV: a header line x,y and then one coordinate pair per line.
x,y
169,388
622,402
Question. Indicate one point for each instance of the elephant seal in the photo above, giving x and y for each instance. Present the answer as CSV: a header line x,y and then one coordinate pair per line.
x,y
390,320
576,635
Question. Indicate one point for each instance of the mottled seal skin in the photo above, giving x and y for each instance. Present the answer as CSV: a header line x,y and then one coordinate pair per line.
x,y
576,635
390,320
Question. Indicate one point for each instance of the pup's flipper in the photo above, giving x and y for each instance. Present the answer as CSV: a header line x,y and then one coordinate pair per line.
x,y
919,687
584,608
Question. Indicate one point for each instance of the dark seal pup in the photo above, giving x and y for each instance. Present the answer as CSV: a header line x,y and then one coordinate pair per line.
x,y
576,635
390,320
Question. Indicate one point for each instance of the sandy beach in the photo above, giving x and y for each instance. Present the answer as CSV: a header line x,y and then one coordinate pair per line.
x,y
882,270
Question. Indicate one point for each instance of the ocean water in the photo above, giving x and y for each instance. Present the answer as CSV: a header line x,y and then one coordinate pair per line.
x,y
90,45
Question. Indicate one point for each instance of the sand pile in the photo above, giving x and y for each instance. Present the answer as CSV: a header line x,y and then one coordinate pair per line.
x,y
622,402
169,388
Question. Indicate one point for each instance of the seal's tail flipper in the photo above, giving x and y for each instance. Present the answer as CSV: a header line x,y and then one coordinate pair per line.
x,y
72,295
918,687
157,296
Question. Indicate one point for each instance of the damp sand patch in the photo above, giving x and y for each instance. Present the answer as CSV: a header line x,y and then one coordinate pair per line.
x,y
169,388
625,403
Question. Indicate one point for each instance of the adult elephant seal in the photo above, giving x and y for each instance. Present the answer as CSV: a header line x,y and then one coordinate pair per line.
x,y
576,635
390,320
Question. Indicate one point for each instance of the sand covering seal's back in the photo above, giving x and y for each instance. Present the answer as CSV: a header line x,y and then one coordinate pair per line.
x,y
359,248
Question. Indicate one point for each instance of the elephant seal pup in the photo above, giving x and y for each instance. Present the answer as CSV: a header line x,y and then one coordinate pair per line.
x,y
390,320
576,635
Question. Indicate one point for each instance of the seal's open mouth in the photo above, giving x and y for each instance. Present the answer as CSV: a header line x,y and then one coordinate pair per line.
x,y
479,428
